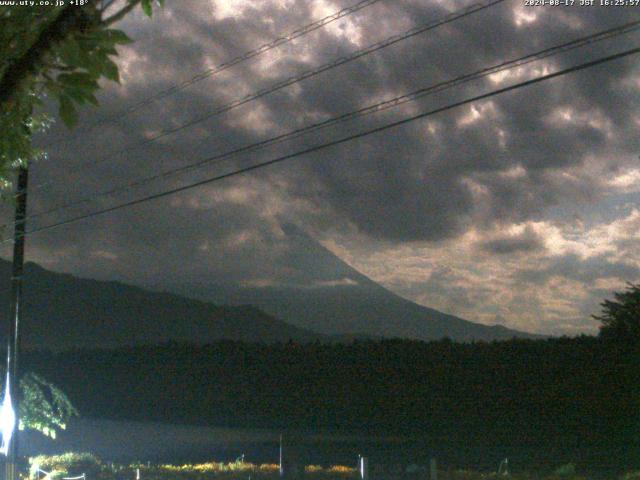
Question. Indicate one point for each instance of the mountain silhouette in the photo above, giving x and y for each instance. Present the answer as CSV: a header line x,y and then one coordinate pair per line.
x,y
332,298
326,300
61,311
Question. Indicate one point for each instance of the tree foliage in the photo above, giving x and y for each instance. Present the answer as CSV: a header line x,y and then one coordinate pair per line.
x,y
43,406
620,317
61,52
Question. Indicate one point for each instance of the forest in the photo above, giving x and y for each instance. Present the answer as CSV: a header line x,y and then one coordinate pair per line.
x,y
568,398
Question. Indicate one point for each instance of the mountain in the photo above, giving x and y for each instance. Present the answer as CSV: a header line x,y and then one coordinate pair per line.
x,y
325,295
62,311
332,298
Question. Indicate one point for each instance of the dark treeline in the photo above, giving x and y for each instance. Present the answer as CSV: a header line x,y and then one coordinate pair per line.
x,y
555,393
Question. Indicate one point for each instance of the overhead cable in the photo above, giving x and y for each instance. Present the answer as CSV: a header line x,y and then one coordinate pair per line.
x,y
281,40
368,110
332,143
464,12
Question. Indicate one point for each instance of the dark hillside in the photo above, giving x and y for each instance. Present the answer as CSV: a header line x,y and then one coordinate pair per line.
x,y
62,311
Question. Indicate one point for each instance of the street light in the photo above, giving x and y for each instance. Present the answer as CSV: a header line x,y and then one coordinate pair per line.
x,y
7,418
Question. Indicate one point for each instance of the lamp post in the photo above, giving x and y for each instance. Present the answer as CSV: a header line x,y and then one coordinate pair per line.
x,y
9,410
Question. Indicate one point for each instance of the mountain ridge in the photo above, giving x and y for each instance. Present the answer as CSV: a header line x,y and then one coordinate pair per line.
x,y
338,299
62,311
334,303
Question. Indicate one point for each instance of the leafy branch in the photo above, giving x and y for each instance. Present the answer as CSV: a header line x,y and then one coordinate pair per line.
x,y
62,52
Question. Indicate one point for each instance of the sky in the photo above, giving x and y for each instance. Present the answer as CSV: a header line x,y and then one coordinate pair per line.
x,y
520,209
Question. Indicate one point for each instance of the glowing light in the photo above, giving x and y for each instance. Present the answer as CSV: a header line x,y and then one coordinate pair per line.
x,y
7,419
522,16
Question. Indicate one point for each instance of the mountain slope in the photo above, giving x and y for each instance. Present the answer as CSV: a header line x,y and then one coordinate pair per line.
x,y
325,295
337,299
62,311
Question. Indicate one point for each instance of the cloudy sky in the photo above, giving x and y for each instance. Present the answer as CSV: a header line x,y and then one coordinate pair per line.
x,y
521,209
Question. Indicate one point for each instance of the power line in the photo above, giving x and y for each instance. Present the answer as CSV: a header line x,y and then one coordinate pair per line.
x,y
323,68
281,40
298,78
339,141
371,109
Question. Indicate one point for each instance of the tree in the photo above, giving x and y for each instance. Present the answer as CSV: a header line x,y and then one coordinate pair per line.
x,y
44,406
62,52
620,317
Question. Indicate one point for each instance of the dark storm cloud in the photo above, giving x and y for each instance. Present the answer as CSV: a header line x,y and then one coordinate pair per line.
x,y
573,267
501,161
527,241
433,203
403,185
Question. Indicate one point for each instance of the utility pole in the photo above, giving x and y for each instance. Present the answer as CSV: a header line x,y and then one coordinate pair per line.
x,y
15,313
